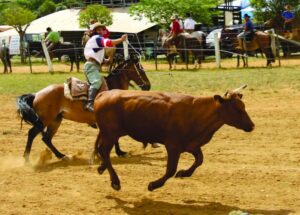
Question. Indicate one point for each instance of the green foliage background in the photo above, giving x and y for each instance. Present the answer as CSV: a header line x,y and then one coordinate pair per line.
x,y
160,11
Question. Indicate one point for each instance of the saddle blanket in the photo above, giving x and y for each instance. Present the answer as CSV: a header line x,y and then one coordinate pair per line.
x,y
75,89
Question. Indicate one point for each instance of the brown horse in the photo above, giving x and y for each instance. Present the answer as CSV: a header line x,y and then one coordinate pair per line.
x,y
45,109
5,58
261,41
277,24
184,43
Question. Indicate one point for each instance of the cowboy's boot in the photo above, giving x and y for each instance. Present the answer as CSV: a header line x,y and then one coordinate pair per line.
x,y
91,97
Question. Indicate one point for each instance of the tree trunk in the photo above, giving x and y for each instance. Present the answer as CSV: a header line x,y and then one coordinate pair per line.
x,y
22,47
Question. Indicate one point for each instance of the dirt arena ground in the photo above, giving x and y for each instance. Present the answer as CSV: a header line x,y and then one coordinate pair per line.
x,y
254,173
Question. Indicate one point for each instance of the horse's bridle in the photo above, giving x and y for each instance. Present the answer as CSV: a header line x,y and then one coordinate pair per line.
x,y
138,67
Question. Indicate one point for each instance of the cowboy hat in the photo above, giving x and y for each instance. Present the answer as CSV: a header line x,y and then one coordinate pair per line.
x,y
96,25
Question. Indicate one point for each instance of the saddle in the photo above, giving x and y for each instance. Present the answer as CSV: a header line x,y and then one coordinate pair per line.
x,y
249,36
75,89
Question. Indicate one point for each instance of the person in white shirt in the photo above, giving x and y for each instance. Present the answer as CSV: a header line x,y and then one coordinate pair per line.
x,y
189,23
94,55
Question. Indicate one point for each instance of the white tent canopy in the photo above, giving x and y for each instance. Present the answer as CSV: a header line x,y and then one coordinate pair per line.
x,y
67,20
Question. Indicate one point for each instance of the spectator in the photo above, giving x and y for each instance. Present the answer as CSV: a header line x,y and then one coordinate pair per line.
x,y
189,23
288,17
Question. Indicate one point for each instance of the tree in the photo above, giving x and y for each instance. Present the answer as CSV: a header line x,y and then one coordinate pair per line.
x,y
267,9
95,11
19,18
160,11
46,8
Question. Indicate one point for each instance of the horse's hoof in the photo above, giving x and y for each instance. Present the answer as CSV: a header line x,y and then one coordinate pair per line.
x,y
27,163
66,158
116,187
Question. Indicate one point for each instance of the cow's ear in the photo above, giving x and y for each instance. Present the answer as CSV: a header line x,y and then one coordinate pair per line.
x,y
219,99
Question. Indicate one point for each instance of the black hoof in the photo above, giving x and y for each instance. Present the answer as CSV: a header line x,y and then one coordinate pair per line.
x,y
151,186
116,187
182,174
121,154
101,169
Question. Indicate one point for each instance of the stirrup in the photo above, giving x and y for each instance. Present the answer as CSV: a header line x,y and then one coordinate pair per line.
x,y
89,107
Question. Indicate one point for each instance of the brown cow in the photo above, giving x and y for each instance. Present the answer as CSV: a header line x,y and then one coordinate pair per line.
x,y
182,123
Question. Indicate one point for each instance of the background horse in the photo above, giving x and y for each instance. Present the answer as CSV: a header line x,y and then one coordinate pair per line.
x,y
277,24
35,48
5,58
184,43
48,107
261,41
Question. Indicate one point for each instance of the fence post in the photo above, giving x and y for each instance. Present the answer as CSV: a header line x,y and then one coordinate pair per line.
x,y
274,34
155,54
217,50
29,57
186,55
126,52
47,56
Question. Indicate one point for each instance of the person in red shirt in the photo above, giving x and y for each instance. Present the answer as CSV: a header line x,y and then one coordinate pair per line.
x,y
106,33
175,29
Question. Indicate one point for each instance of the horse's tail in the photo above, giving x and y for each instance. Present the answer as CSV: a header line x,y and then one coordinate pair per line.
x,y
25,110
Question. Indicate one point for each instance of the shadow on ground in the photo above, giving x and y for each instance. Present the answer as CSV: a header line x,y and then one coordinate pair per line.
x,y
149,206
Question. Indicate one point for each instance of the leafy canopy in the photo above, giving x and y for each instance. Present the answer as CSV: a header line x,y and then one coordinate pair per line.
x,y
267,9
97,12
160,11
17,16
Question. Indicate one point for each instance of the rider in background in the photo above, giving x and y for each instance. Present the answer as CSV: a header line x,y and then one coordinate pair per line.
x,y
288,17
94,55
175,29
189,23
52,39
248,31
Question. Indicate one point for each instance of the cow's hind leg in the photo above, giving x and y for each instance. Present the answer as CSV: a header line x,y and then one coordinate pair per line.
x,y
173,157
198,155
119,152
106,144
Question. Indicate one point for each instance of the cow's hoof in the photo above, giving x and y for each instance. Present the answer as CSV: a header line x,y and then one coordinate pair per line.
x,y
155,145
122,154
116,187
182,173
151,186
101,169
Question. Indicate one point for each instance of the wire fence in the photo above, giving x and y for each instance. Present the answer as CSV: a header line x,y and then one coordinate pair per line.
x,y
155,57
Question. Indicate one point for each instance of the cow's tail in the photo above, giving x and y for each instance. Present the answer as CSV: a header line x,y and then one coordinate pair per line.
x,y
25,110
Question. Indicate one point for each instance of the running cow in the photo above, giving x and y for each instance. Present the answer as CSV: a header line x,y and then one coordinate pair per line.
x,y
182,123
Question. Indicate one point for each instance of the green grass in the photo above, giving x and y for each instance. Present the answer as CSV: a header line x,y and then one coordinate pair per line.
x,y
193,82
